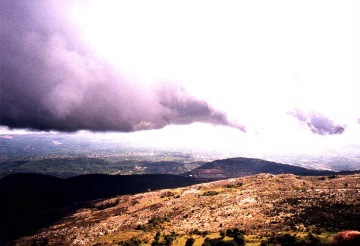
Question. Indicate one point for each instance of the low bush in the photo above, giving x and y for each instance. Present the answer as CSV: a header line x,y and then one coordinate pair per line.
x,y
130,242
210,193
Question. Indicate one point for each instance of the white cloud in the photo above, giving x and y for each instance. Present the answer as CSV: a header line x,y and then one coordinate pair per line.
x,y
267,55
255,60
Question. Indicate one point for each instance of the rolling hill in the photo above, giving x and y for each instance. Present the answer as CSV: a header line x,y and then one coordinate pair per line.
x,y
240,167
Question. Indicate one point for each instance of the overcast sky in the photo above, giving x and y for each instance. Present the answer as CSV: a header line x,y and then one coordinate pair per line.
x,y
253,75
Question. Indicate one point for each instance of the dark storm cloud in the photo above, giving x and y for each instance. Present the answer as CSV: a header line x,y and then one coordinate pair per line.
x,y
51,80
318,123
183,109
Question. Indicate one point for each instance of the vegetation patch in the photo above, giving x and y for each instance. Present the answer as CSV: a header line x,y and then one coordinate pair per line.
x,y
237,185
200,233
131,242
329,216
167,194
106,205
164,240
210,193
238,238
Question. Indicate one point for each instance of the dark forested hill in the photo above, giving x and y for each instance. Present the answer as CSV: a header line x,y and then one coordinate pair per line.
x,y
239,167
31,201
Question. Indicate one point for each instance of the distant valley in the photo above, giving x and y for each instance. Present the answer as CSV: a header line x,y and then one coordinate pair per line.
x,y
65,167
75,166
64,155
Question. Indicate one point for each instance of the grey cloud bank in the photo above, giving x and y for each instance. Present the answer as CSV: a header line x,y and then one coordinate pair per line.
x,y
51,80
318,123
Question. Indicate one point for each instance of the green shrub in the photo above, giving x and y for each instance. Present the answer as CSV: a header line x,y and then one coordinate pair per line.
x,y
190,241
233,232
286,239
218,242
239,239
139,227
263,243
200,233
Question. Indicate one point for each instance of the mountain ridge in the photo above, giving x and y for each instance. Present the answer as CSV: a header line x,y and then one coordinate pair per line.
x,y
242,166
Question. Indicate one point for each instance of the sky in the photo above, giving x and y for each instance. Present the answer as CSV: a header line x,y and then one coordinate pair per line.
x,y
255,76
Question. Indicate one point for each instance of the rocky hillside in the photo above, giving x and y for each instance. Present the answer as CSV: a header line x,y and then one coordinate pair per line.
x,y
240,167
264,207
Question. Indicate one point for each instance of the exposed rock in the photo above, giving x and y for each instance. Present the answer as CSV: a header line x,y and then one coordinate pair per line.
x,y
347,238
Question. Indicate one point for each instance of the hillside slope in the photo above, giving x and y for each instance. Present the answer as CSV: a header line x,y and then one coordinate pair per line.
x,y
261,205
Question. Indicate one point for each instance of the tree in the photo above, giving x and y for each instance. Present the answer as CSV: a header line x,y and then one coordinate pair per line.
x,y
156,239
